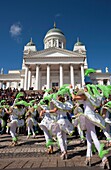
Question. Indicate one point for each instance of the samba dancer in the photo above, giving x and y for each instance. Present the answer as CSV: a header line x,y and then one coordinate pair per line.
x,y
16,113
90,122
106,114
65,127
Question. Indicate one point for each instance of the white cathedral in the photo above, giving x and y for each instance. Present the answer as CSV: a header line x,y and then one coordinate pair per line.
x,y
52,66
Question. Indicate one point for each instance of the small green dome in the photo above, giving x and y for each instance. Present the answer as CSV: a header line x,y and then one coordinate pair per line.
x,y
30,43
78,43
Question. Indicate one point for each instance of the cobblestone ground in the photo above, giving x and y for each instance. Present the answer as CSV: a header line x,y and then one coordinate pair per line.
x,y
32,153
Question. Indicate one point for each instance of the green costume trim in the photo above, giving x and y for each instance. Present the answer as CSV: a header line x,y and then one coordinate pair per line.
x,y
49,143
71,134
108,104
14,139
58,144
108,139
102,152
93,148
29,134
82,137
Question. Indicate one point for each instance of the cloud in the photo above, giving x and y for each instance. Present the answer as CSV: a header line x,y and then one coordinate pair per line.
x,y
15,30
57,15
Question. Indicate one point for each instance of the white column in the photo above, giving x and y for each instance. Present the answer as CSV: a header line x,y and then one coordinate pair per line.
x,y
37,78
82,75
108,82
52,43
7,85
26,78
22,83
48,76
0,85
62,45
16,85
29,79
61,75
57,43
72,75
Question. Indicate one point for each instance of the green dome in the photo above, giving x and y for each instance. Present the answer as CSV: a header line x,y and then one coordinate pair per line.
x,y
55,30
78,43
30,43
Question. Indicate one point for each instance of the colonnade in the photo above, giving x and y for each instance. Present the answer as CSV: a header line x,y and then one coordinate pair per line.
x,y
27,78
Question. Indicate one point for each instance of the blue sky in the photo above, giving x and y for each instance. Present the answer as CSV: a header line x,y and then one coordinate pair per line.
x,y
90,20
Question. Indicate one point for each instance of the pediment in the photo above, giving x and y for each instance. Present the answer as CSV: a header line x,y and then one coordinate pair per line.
x,y
54,52
57,52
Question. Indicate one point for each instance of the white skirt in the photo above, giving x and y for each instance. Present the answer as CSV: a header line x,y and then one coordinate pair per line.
x,y
95,118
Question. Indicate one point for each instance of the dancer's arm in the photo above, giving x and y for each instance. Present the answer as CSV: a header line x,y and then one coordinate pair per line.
x,y
48,111
9,111
78,97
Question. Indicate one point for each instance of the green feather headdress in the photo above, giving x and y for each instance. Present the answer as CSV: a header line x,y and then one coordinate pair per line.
x,y
55,96
89,89
95,91
109,87
20,94
48,90
48,97
31,102
2,101
64,86
90,70
42,102
108,104
105,90
22,102
35,106
1,107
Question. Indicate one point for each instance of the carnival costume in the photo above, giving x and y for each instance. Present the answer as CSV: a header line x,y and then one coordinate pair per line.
x,y
106,113
30,124
46,123
16,118
90,101
2,121
76,121
62,125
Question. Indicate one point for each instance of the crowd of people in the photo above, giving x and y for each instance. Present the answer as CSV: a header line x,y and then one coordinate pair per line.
x,y
57,113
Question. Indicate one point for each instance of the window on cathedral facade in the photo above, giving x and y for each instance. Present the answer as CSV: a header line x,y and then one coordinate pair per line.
x,y
55,84
60,44
49,43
